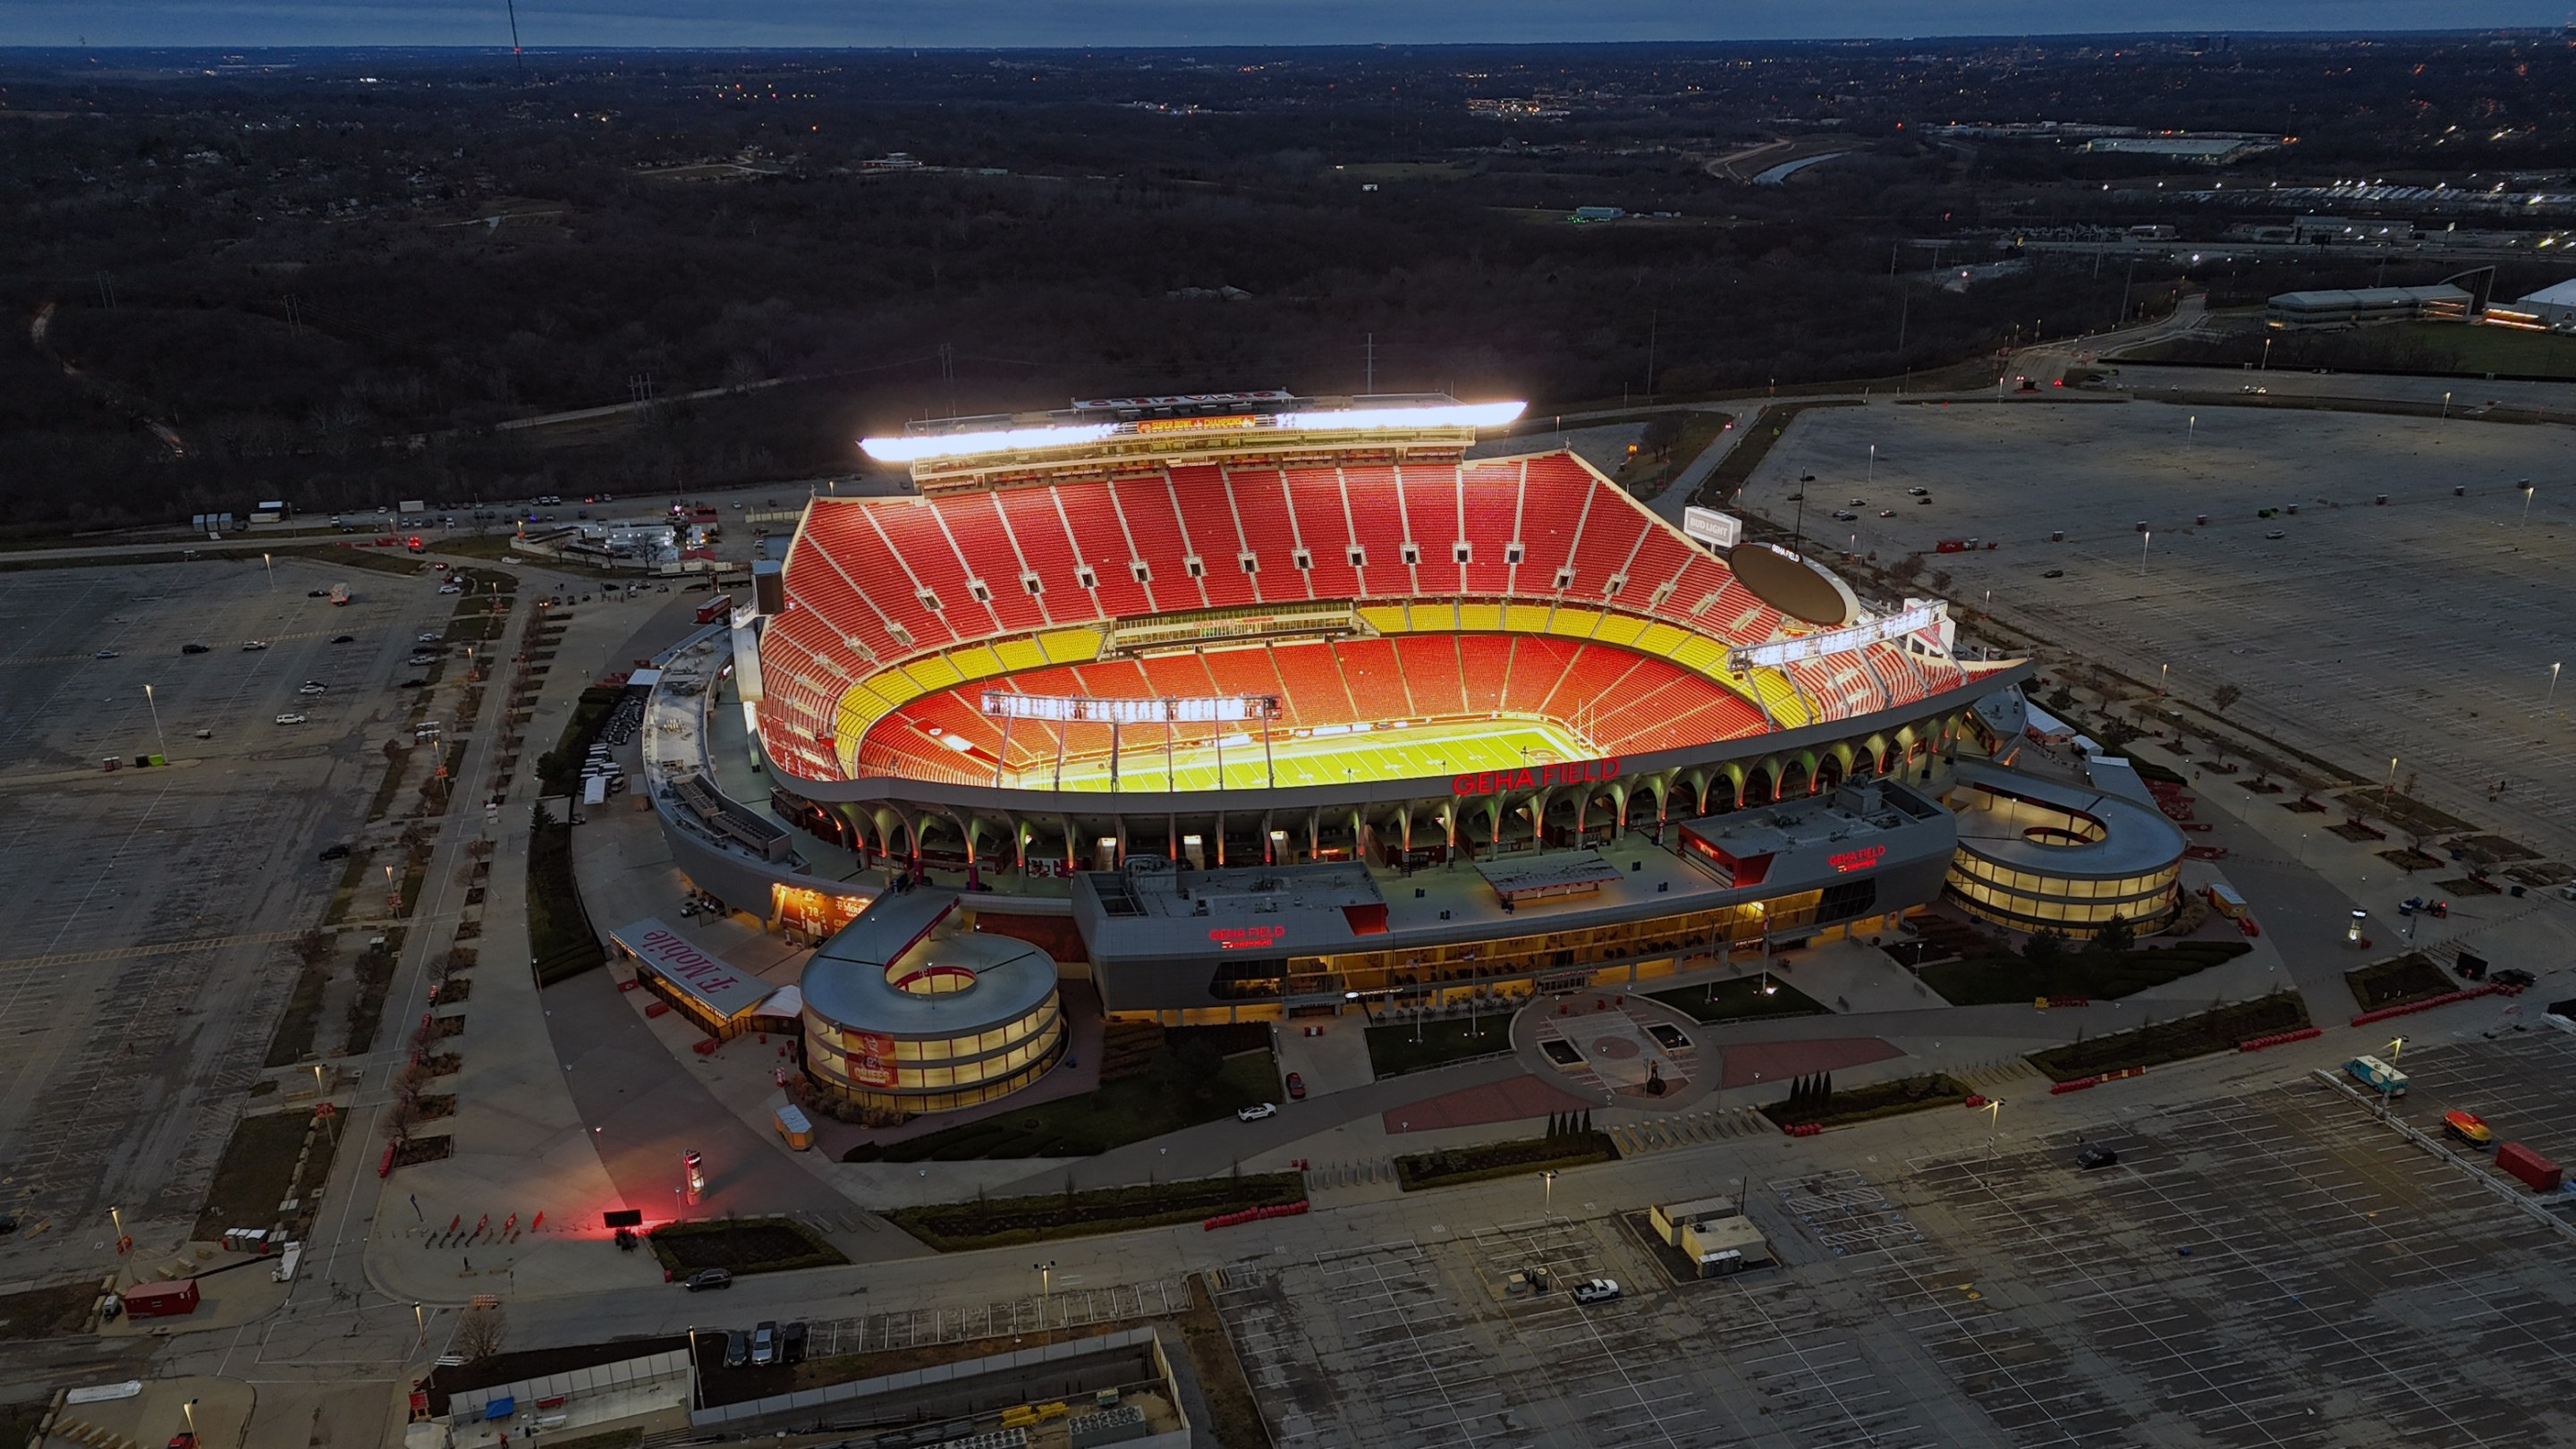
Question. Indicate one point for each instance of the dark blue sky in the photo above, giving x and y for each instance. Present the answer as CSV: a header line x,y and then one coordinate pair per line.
x,y
1185,22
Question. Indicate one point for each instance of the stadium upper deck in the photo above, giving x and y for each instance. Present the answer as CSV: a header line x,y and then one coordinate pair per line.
x,y
1151,606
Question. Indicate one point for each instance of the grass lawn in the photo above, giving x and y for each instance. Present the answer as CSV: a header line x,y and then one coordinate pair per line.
x,y
2411,977
1740,1000
1481,1162
1392,1049
2172,1041
256,1174
1879,1099
745,1245
999,1222
1111,1116
44,1313
1981,980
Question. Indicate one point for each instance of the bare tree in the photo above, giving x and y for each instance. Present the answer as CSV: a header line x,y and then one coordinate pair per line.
x,y
2224,696
480,1331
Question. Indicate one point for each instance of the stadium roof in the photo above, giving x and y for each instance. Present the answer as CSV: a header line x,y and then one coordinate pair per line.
x,y
2363,297
2561,295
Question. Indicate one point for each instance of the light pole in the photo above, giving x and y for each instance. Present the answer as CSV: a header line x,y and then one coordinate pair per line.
x,y
2527,491
2391,787
2267,356
266,563
2163,672
420,1320
155,706
2190,432
189,1408
1872,476
2553,687
1046,1290
2143,540
1547,1192
2446,407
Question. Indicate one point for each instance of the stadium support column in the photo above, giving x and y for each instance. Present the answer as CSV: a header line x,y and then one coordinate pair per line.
x,y
1269,768
1113,757
1002,756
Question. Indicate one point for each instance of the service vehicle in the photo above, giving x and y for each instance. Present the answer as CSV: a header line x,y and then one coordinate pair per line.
x,y
2468,1127
1845,515
339,593
1596,1290
2377,1075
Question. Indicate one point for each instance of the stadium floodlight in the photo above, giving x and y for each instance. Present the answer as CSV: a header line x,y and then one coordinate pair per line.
x,y
1453,415
1092,709
1837,641
1003,440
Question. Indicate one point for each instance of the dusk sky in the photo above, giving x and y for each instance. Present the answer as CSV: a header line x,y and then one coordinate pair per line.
x,y
546,23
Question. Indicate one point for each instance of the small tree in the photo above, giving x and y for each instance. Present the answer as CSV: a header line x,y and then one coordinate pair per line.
x,y
2115,934
2045,948
1940,581
2224,696
479,1333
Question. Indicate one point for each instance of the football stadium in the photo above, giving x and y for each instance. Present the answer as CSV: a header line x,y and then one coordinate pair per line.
x,y
1249,705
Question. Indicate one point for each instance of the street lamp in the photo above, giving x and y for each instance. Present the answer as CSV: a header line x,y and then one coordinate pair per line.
x,y
265,563
2267,356
2553,687
2143,540
155,706
2190,432
2526,500
2446,407
420,1319
1046,1289
189,1408
1547,1191
2163,672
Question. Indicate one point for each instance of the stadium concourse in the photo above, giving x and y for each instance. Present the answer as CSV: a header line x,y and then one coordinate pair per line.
x,y
1247,705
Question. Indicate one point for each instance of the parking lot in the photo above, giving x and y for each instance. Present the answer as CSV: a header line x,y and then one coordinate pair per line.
x,y
151,907
2427,627
2275,1269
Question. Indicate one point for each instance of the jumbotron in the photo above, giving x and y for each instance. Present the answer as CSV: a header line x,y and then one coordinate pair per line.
x,y
1248,705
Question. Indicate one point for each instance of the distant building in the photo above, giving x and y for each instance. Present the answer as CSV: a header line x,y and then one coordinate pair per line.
x,y
2202,150
2368,306
2551,309
1599,213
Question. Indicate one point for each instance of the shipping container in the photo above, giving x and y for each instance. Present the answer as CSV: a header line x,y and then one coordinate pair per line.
x,y
161,1300
716,608
2535,1171
2224,900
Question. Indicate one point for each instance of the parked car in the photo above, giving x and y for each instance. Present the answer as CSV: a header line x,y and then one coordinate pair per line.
x,y
764,1343
253,646
339,851
737,1348
706,1278
1918,492
192,648
290,718
313,686
1296,1087
1859,503
1596,1290
1845,515
1923,500
2052,573
1887,513
2276,533
317,593
2096,1155
427,638
1256,1112
413,684
791,1342
344,638
104,654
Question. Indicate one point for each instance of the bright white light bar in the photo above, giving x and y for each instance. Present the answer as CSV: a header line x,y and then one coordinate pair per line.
x,y
1089,709
1005,440
1837,641
1457,415
913,449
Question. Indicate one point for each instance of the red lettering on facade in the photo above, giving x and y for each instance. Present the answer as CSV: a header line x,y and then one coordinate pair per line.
x,y
1547,777
1862,859
1246,938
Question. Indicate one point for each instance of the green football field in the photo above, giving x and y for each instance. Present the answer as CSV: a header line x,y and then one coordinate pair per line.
x,y
1400,754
